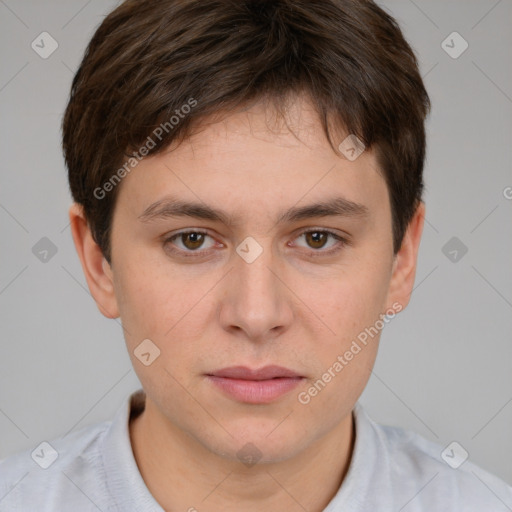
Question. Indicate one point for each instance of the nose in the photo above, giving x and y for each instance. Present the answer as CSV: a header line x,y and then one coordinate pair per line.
x,y
256,301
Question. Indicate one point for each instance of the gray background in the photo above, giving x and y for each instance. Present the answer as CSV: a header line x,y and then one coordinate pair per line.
x,y
444,367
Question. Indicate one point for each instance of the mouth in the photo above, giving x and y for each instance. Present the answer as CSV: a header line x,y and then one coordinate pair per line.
x,y
255,386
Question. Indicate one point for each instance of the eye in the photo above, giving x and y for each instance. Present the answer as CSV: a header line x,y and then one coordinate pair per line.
x,y
317,239
186,243
191,241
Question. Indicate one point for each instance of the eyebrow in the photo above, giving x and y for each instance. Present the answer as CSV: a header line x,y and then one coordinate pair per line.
x,y
170,207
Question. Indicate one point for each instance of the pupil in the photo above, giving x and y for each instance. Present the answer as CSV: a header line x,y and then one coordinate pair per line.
x,y
195,240
317,238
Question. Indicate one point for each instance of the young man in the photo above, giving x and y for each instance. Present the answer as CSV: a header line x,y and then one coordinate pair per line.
x,y
247,178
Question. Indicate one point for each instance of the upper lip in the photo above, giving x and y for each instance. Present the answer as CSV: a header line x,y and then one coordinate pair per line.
x,y
264,373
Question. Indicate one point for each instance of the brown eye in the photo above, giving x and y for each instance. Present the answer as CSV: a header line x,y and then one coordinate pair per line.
x,y
192,240
316,239
189,242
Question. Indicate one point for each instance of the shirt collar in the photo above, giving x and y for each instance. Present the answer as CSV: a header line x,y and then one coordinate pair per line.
x,y
124,480
367,469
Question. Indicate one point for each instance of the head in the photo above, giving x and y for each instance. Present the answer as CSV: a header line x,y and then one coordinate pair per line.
x,y
237,122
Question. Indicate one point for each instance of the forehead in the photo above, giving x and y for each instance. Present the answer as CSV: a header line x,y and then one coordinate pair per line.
x,y
253,161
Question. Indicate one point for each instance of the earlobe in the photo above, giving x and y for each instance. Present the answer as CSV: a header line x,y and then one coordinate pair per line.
x,y
405,262
97,271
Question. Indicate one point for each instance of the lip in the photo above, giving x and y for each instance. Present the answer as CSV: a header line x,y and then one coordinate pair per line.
x,y
255,386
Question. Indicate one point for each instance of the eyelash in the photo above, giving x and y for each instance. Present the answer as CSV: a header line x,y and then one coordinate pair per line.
x,y
314,253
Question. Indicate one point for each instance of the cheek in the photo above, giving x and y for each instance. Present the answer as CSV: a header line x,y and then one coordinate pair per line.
x,y
156,308
148,304
169,308
351,306
344,360
353,300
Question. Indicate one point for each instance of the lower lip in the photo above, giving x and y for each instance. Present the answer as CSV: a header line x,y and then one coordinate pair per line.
x,y
255,391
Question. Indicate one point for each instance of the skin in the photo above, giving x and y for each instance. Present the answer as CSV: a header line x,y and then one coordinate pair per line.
x,y
216,310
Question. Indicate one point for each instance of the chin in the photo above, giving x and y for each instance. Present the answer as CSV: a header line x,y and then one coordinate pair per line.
x,y
266,442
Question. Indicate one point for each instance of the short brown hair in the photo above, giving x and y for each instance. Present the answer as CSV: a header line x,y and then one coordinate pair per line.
x,y
148,59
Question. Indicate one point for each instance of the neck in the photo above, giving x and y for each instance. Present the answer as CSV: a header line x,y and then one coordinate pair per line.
x,y
183,474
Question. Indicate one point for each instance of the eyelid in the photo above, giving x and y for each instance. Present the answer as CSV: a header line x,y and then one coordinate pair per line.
x,y
198,253
343,240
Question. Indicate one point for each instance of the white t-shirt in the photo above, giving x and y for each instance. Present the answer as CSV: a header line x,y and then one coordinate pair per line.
x,y
392,470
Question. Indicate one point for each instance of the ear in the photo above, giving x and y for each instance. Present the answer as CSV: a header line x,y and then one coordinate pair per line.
x,y
404,264
97,270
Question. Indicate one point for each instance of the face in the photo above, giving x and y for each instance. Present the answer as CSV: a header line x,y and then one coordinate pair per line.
x,y
255,277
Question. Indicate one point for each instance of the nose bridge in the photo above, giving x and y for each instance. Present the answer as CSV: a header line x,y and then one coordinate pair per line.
x,y
256,300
